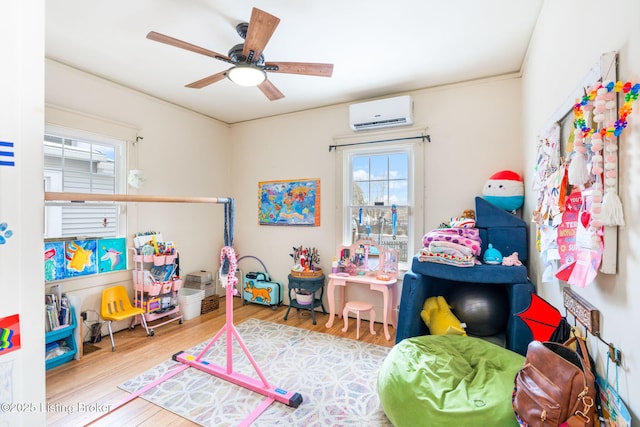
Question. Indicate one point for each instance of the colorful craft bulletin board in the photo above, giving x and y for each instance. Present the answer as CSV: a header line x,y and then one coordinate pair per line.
x,y
555,145
9,334
290,202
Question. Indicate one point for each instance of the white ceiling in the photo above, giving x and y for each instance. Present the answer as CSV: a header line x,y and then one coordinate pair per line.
x,y
378,47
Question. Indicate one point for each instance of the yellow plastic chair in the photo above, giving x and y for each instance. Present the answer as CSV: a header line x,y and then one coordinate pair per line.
x,y
116,305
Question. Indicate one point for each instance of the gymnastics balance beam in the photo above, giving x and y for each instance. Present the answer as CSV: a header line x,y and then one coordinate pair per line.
x,y
277,394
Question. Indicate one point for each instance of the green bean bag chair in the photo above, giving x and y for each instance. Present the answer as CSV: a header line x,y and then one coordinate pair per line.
x,y
448,380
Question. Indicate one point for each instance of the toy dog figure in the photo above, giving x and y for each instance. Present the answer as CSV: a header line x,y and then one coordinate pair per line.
x,y
262,293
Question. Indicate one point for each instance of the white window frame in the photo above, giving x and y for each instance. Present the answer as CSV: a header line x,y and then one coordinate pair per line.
x,y
53,179
52,214
415,175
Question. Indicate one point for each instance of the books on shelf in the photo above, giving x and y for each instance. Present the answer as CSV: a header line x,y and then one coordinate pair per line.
x,y
52,299
162,273
57,311
51,318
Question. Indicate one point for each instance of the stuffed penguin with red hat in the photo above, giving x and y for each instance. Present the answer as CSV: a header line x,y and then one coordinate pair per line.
x,y
505,189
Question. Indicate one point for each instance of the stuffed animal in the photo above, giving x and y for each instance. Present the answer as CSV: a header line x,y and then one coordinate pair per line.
x,y
492,255
511,259
438,317
467,220
504,189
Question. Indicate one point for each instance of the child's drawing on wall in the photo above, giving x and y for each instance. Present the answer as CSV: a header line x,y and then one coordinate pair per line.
x,y
54,261
9,334
80,256
112,255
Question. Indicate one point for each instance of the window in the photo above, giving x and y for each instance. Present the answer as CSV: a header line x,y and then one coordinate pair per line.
x,y
380,187
82,163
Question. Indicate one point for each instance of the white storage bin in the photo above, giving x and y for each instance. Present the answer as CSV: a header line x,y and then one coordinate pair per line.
x,y
204,277
190,301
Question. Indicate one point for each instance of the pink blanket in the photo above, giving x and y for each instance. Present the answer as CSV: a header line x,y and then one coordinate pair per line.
x,y
469,237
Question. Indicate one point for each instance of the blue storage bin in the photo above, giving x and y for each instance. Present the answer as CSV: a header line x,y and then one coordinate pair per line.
x,y
65,334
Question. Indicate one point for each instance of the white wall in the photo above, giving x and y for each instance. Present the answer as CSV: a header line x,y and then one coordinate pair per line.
x,y
475,131
21,207
569,38
181,154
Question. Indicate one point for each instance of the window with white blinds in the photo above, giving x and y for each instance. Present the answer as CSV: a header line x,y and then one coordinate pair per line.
x,y
79,162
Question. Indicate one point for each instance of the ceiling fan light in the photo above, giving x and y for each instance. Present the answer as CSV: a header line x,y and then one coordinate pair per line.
x,y
246,75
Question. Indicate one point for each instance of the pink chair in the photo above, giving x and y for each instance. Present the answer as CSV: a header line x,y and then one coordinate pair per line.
x,y
357,307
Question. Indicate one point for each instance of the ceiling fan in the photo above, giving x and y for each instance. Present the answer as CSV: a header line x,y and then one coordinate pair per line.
x,y
249,66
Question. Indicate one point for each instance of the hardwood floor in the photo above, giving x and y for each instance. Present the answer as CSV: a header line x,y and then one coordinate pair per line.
x,y
81,390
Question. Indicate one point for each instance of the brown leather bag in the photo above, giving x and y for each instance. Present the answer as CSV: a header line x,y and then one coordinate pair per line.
x,y
555,387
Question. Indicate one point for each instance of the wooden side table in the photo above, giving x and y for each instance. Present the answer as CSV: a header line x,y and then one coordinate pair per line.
x,y
309,284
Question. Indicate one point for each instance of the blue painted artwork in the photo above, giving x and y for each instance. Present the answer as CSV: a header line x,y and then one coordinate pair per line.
x,y
112,255
5,233
80,257
54,265
6,154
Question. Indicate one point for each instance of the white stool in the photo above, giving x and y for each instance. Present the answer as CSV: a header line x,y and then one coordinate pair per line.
x,y
357,307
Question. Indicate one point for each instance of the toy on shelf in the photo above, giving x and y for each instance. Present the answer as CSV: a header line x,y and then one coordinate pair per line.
x,y
154,248
505,189
366,257
492,255
511,259
306,262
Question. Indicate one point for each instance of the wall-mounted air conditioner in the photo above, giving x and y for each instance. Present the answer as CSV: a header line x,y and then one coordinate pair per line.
x,y
396,111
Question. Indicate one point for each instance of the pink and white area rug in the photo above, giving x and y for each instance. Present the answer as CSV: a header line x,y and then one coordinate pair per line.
x,y
335,376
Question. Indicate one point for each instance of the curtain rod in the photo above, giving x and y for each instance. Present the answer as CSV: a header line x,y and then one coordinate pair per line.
x,y
422,137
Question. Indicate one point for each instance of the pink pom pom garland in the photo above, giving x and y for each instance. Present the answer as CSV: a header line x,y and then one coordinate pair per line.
x,y
601,144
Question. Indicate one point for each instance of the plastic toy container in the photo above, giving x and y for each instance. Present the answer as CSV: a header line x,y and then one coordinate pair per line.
x,y
65,334
304,297
190,301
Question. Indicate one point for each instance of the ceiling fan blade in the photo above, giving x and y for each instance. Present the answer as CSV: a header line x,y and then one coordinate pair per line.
x,y
208,80
187,46
261,28
270,91
306,68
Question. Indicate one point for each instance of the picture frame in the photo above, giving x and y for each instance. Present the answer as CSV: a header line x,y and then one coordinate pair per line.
x,y
112,254
54,261
293,202
80,257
